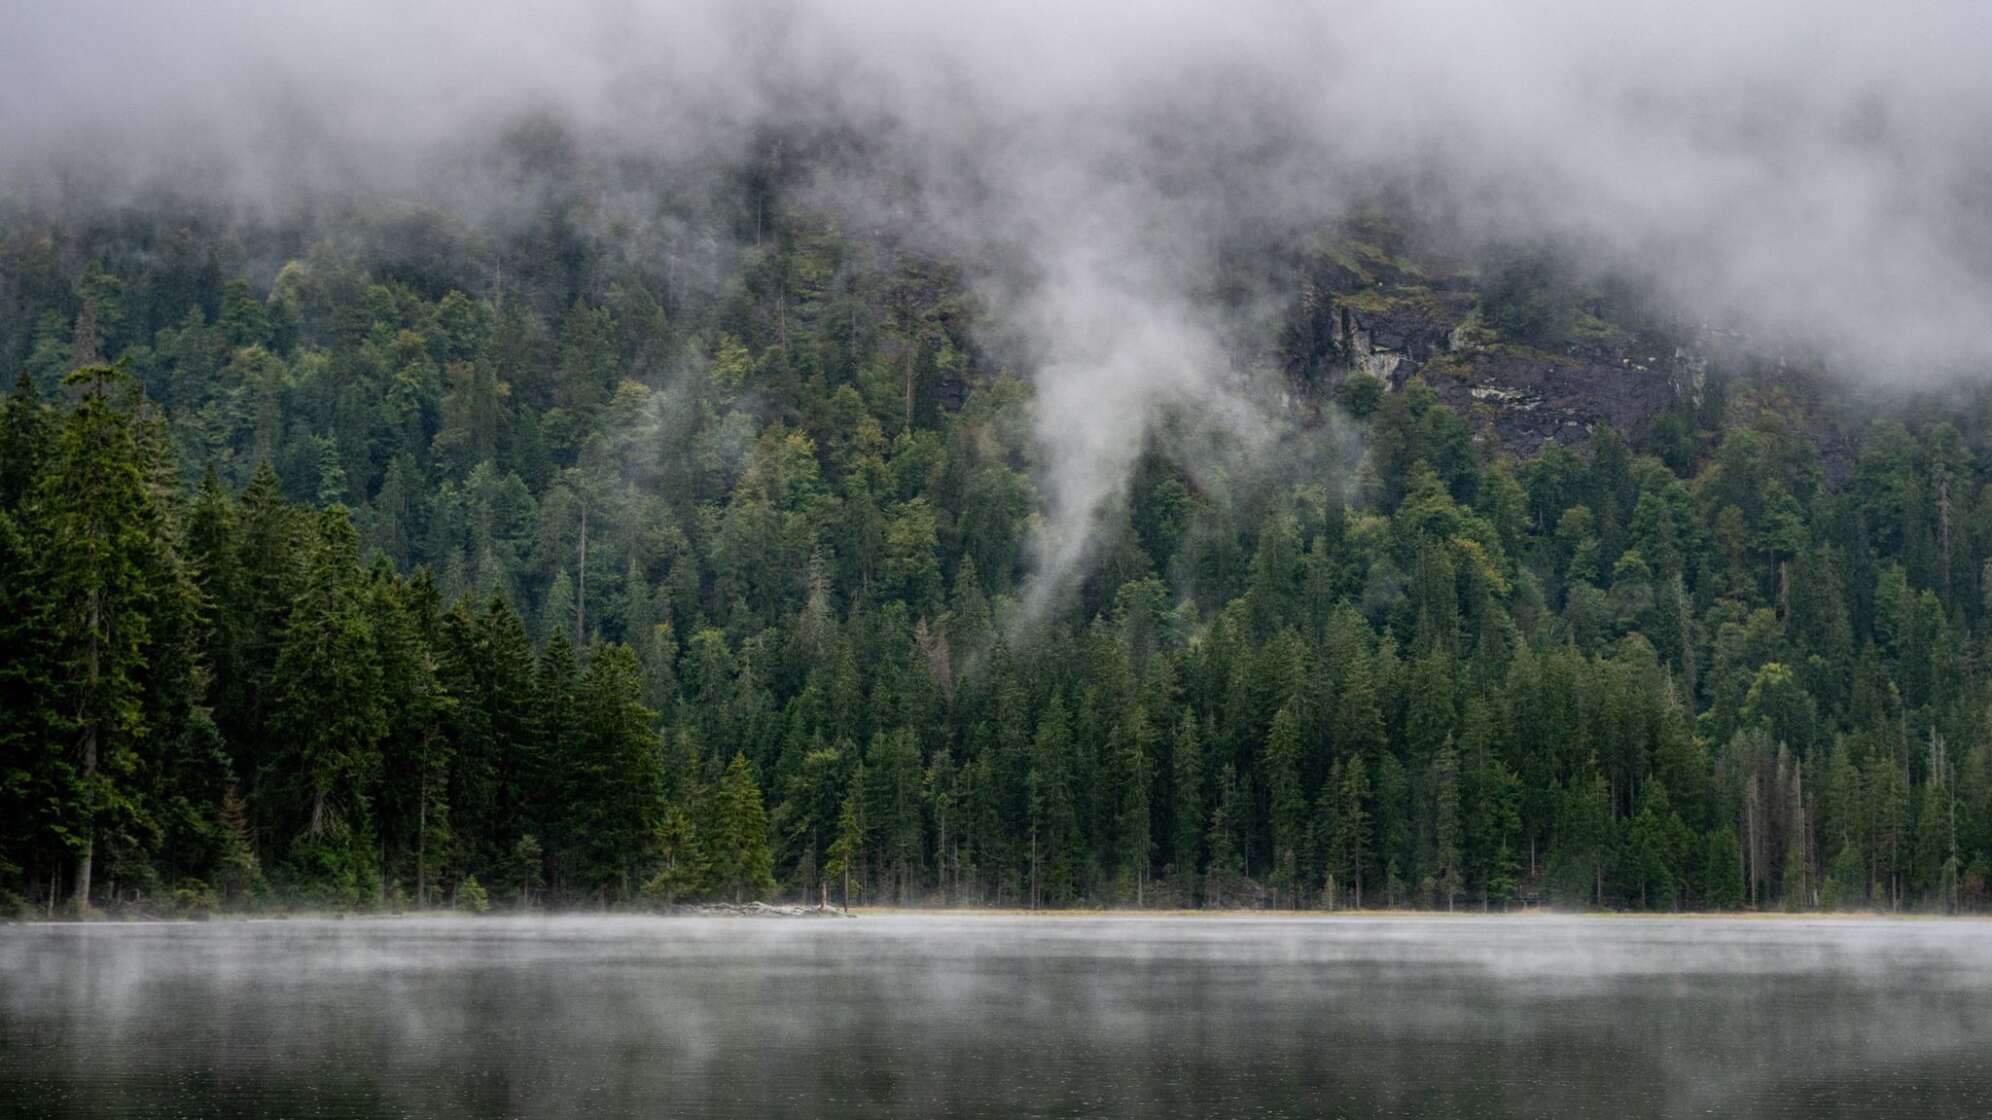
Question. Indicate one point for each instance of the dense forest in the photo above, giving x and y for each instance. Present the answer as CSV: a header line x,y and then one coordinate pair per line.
x,y
534,575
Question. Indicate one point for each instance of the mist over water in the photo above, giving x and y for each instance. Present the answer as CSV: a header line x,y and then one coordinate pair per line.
x,y
998,1017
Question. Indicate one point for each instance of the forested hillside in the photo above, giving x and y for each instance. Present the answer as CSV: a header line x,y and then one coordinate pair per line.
x,y
399,567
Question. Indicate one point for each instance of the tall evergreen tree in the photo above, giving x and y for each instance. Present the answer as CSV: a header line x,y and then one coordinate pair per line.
x,y
329,714
619,786
1186,768
96,517
741,867
1289,802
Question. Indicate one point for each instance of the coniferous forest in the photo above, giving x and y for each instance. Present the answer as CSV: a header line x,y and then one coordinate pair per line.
x,y
523,572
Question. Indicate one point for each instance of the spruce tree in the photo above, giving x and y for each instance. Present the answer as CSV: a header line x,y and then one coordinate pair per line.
x,y
1448,875
1227,853
846,850
740,867
1722,871
1054,828
41,795
619,787
93,513
1186,767
329,714
1352,829
24,444
1133,828
1289,801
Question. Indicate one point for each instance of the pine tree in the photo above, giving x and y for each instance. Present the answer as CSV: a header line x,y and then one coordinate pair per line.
x,y
1186,766
1054,826
681,867
553,774
93,515
41,796
1352,830
1490,809
1722,884
1584,839
847,849
411,806
328,711
1448,875
1133,830
894,811
1357,721
618,791
1289,801
1937,864
249,625
740,865
1227,856
24,444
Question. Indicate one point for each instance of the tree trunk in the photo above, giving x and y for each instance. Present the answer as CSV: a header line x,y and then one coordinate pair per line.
x,y
581,589
1034,868
87,857
422,848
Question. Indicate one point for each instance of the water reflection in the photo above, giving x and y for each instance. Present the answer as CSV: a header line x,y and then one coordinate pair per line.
x,y
996,1017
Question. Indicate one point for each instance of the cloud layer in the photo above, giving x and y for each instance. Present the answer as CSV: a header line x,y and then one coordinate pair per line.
x,y
1815,174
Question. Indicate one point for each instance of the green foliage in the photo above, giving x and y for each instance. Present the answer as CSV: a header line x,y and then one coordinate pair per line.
x,y
738,865
472,897
1722,883
598,589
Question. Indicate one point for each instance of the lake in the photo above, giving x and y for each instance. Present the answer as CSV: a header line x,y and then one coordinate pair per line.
x,y
905,1016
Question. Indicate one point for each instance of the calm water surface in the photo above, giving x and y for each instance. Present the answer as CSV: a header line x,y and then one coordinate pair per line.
x,y
998,1017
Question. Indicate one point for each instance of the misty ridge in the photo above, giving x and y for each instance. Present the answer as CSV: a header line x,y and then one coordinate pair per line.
x,y
1279,455
1811,176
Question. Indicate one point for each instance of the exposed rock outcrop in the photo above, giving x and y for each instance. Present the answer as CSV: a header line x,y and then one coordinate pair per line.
x,y
1363,311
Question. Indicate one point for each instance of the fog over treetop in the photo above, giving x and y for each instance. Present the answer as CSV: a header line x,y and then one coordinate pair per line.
x,y
1816,168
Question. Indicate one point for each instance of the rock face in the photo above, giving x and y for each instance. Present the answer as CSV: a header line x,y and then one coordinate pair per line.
x,y
1363,311
1531,397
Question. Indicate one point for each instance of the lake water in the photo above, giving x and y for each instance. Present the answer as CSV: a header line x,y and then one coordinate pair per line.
x,y
998,1017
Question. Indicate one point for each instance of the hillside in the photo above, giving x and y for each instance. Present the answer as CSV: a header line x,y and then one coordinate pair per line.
x,y
390,558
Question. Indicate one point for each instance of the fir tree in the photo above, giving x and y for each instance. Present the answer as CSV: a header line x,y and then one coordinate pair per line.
x,y
739,865
95,517
1186,764
1289,801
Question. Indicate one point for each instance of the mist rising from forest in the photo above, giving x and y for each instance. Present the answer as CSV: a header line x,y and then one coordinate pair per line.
x,y
1810,174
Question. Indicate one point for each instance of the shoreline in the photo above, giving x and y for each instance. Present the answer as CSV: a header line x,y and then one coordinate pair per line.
x,y
978,913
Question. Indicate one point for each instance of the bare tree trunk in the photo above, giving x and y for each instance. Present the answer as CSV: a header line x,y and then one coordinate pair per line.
x,y
581,589
1754,862
422,848
87,857
1687,641
1944,528
1034,868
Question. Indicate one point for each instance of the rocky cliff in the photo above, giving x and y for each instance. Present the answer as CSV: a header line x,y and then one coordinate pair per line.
x,y
1553,370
